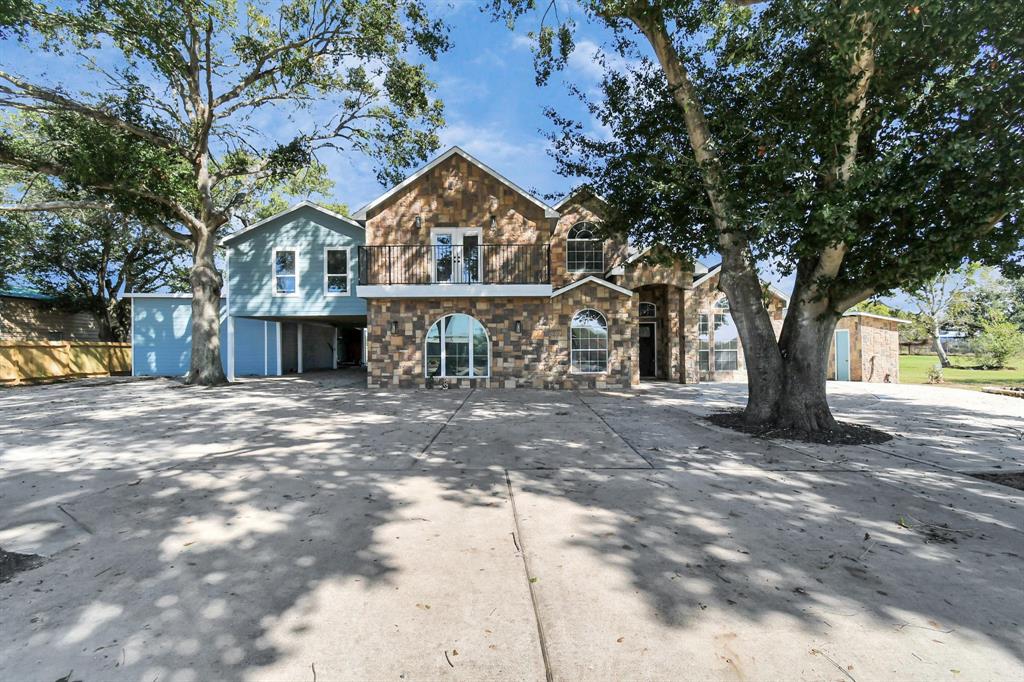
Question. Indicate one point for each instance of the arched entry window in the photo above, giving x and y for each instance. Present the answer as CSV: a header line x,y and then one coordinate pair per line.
x,y
648,309
457,346
584,250
588,339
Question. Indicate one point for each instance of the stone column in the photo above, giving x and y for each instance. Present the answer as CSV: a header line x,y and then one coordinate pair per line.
x,y
690,373
674,332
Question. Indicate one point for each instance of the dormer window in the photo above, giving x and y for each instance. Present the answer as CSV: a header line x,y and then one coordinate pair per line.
x,y
584,249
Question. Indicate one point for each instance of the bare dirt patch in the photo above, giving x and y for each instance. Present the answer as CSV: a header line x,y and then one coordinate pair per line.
x,y
848,434
1013,479
12,563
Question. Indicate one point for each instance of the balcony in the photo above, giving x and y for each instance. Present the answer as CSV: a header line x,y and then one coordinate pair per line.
x,y
454,270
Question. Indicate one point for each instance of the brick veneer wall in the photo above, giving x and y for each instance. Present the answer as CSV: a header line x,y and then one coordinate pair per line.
x,y
538,357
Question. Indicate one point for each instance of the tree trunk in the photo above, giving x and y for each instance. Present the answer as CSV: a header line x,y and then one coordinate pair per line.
x,y
757,336
939,350
805,349
205,368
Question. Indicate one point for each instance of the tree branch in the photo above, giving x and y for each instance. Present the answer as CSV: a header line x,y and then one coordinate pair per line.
x,y
44,206
61,102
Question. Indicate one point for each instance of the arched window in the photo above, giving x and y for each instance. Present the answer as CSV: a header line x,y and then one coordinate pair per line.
x,y
588,342
648,309
457,346
584,251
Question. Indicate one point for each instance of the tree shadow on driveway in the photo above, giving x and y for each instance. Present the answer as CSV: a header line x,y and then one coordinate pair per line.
x,y
270,530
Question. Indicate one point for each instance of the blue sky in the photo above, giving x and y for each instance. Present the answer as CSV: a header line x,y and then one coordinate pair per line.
x,y
494,109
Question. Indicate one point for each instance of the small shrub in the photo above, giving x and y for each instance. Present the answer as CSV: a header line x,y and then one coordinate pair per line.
x,y
935,374
998,342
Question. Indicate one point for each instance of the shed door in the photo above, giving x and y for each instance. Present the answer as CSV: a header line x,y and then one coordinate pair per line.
x,y
842,355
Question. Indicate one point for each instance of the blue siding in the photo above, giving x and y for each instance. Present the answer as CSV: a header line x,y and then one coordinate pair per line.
x,y
162,336
255,347
309,231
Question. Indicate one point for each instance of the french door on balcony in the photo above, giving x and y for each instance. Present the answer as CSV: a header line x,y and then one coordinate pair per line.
x,y
456,254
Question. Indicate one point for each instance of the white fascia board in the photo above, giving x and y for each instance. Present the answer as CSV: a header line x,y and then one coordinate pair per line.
x,y
857,313
361,213
296,207
779,292
711,272
564,200
453,290
128,294
595,280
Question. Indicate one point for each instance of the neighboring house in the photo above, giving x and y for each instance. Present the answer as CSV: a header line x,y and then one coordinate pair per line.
x,y
26,314
457,276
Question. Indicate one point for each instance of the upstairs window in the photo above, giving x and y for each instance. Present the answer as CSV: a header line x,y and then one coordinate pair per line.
x,y
588,342
285,272
584,251
335,272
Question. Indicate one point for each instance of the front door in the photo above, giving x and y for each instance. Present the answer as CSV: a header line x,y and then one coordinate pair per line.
x,y
648,349
842,355
456,255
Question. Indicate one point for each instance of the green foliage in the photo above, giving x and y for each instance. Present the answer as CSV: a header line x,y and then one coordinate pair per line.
x,y
86,259
938,176
999,341
935,374
992,297
172,134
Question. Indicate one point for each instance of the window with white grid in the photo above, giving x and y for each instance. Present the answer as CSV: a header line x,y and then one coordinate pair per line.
x,y
584,250
588,336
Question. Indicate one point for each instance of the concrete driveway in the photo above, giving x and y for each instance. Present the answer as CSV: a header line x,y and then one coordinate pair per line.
x,y
311,529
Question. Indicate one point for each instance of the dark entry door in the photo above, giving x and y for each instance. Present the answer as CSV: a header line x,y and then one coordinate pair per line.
x,y
648,354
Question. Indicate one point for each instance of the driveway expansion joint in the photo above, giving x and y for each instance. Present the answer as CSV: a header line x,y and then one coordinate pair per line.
x,y
521,547
617,434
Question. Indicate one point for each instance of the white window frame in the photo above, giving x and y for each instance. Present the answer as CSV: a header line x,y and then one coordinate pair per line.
x,y
607,345
274,275
568,243
348,271
444,354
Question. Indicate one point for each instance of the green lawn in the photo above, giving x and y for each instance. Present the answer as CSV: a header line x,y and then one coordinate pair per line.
x,y
914,370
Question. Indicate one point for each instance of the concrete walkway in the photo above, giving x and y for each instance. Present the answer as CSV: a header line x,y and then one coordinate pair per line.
x,y
308,528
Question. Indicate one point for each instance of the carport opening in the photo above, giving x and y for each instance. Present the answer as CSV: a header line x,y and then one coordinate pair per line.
x,y
308,347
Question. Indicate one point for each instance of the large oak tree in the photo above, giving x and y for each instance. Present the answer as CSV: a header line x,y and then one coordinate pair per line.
x,y
861,145
177,112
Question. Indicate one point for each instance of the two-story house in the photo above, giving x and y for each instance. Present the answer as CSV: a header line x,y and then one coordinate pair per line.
x,y
458,276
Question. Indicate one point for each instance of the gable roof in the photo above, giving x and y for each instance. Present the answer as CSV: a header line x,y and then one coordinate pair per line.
x,y
596,280
858,313
715,269
577,192
296,207
361,213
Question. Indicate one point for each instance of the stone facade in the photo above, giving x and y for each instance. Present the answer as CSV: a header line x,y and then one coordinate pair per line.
x,y
874,349
706,295
581,209
536,357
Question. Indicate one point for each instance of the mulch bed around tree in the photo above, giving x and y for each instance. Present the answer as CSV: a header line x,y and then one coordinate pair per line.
x,y
12,562
851,434
1013,479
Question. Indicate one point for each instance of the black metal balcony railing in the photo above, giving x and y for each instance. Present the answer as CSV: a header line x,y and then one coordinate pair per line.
x,y
481,264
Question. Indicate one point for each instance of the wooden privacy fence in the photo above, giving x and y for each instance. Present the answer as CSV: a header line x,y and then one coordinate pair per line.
x,y
22,361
